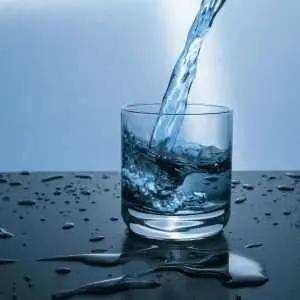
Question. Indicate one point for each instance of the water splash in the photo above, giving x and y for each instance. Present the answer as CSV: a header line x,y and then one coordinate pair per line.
x,y
176,96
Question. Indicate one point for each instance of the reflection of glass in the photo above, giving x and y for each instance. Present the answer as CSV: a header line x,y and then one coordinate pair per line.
x,y
182,193
207,259
173,284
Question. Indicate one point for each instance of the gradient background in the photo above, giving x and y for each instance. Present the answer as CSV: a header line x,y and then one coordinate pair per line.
x,y
67,66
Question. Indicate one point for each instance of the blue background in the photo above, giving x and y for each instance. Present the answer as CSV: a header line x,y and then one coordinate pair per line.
x,y
67,66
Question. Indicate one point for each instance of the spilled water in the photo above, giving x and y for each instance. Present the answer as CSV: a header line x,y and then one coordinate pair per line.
x,y
108,286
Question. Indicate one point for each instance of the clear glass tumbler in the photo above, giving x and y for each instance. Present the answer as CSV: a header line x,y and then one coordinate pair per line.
x,y
182,193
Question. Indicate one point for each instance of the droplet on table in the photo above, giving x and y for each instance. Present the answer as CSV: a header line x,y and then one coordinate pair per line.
x,y
247,186
240,200
106,190
27,202
295,175
114,219
86,193
15,183
52,178
268,213
5,198
62,270
97,238
57,193
4,234
275,224
68,225
254,245
82,209
25,173
285,188
83,176
287,212
235,181
2,180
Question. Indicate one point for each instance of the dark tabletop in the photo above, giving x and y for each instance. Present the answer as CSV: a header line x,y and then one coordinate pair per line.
x,y
269,216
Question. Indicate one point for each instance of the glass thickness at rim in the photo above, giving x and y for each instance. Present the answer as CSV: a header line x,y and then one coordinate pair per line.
x,y
195,109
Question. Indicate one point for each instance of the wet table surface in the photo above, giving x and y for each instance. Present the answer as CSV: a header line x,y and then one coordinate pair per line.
x,y
36,206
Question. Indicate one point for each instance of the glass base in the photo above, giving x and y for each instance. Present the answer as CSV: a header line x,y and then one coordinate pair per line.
x,y
177,227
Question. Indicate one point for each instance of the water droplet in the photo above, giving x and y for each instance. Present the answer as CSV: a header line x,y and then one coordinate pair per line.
x,y
238,297
27,278
97,238
24,244
248,186
5,261
269,190
52,178
15,183
114,219
86,193
86,219
62,271
4,234
295,175
275,224
285,188
240,200
2,180
68,225
268,213
106,190
43,220
57,193
254,245
67,202
82,209
5,198
83,176
108,286
27,202
272,177
25,173
235,181
21,217
287,212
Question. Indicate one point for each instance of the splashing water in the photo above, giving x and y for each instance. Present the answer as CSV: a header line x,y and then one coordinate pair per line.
x,y
176,96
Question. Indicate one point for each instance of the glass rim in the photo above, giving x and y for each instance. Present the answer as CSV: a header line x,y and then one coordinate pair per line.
x,y
130,108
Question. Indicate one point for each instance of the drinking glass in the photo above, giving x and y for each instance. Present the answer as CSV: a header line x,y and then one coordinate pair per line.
x,y
181,192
